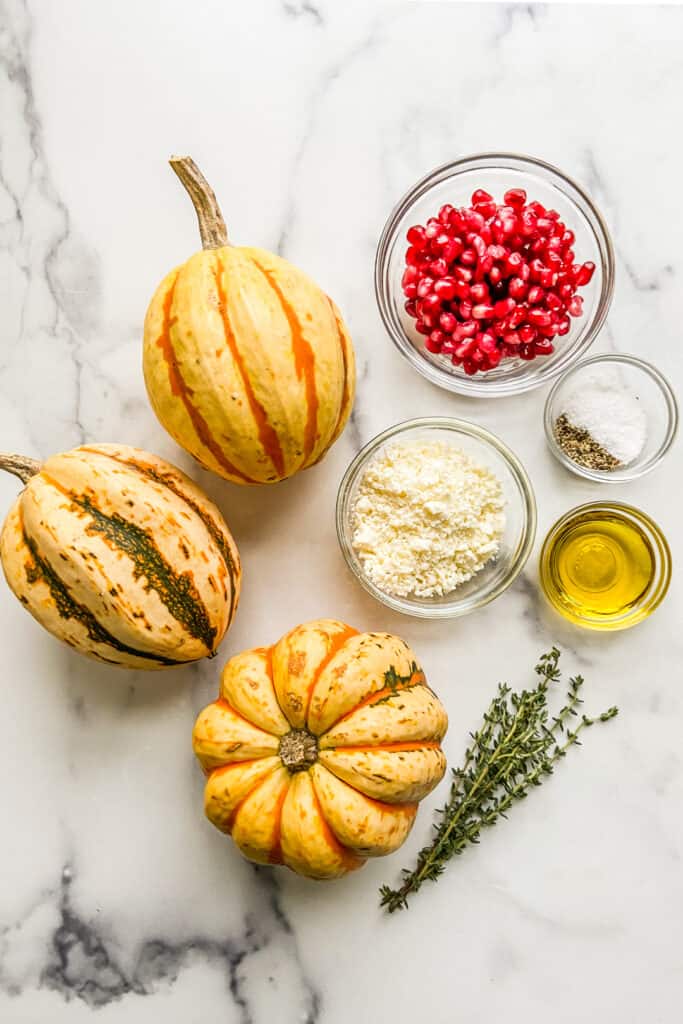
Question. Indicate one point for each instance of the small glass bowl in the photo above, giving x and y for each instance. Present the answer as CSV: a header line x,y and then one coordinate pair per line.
x,y
454,183
643,382
651,597
520,516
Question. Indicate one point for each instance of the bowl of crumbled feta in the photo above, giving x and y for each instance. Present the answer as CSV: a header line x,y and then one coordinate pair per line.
x,y
436,517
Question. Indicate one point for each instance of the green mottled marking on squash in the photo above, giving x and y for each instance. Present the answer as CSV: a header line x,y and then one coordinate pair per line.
x,y
166,480
176,590
69,608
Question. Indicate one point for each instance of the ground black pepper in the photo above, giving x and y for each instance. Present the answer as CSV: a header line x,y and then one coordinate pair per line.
x,y
581,447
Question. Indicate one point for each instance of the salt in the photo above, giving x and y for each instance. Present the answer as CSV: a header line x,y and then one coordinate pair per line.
x,y
612,416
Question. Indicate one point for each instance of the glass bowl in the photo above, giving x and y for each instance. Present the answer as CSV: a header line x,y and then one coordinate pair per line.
x,y
637,378
454,183
520,516
650,597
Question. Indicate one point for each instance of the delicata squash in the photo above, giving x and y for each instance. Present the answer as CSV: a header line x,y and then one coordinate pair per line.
x,y
248,364
121,556
319,749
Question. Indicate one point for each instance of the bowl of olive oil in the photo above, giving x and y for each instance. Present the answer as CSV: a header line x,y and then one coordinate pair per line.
x,y
605,565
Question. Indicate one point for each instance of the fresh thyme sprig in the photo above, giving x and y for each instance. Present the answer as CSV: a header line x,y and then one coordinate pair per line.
x,y
516,748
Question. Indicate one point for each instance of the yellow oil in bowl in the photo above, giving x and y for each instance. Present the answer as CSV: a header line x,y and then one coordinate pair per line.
x,y
605,566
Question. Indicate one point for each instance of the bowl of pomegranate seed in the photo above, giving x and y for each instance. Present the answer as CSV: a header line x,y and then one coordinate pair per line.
x,y
494,274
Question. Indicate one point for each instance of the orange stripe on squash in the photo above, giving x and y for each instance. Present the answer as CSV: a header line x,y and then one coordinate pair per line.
x,y
275,855
349,859
304,363
336,645
345,360
185,393
270,442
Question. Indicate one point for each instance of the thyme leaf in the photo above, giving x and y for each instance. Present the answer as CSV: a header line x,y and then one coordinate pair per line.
x,y
516,747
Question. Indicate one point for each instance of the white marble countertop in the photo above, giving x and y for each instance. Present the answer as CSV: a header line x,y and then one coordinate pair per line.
x,y
118,900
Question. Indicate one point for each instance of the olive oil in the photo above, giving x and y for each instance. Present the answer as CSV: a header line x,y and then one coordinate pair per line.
x,y
599,567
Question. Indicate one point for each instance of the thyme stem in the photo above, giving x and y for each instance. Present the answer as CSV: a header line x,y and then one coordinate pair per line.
x,y
514,750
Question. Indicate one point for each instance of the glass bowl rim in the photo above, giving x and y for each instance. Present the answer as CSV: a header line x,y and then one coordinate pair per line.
x,y
603,477
470,386
664,577
453,609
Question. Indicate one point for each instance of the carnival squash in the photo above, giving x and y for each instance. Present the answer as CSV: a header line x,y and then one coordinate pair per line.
x,y
248,364
121,556
319,749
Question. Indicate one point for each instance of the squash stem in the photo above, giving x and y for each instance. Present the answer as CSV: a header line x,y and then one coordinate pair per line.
x,y
212,229
19,465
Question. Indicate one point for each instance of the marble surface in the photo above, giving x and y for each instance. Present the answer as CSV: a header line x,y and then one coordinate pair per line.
x,y
118,900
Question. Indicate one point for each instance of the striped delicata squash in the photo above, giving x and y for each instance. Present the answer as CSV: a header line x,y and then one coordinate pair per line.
x,y
120,555
248,364
319,749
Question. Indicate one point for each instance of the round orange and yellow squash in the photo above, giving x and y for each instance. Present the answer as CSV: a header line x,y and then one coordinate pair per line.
x,y
319,749
121,556
248,364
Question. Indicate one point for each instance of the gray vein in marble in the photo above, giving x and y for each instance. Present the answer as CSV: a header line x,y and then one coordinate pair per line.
x,y
304,9
326,80
82,962
510,14
57,257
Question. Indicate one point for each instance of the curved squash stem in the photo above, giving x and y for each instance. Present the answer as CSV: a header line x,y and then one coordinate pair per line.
x,y
20,465
212,229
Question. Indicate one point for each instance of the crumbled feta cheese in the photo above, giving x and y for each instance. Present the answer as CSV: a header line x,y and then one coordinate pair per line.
x,y
426,518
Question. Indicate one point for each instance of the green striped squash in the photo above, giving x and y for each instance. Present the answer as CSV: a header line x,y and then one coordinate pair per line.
x,y
121,556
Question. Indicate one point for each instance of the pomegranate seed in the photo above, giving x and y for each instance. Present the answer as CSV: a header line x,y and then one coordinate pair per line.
x,y
433,228
470,367
548,278
412,255
545,226
452,250
431,304
462,290
479,246
524,272
441,240
495,275
445,288
503,307
497,252
481,196
517,316
439,268
568,238
528,226
411,307
482,311
526,352
464,348
494,357
552,214
585,273
548,332
437,337
515,197
474,220
448,322
508,226
486,342
416,236
514,262
511,339
469,328
538,317
544,347
468,257
536,294
527,333
410,291
422,328
563,326
554,244
517,289
425,286
463,273
479,292
565,291
574,308
553,301
445,213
